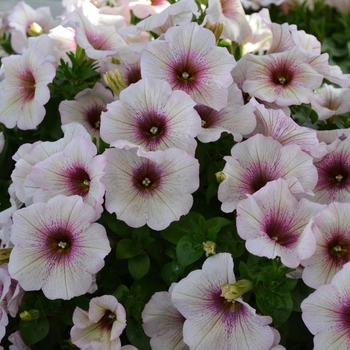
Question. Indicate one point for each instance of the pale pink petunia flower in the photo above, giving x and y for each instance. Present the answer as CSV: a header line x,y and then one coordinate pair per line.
x,y
231,14
189,60
325,313
329,136
77,170
152,188
57,247
285,130
333,169
150,114
236,118
16,339
2,141
329,101
273,223
26,89
258,160
177,14
340,5
26,22
101,326
212,321
332,231
163,322
30,154
285,78
144,8
86,108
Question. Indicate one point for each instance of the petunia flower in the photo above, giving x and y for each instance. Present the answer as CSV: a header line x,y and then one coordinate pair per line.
x,y
231,14
152,188
213,321
144,8
273,223
163,322
77,170
189,60
26,91
86,108
331,228
285,130
329,101
325,313
333,169
26,22
236,118
57,247
100,326
150,114
285,78
258,160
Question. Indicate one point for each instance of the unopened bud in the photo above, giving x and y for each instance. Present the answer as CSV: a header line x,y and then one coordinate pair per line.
x,y
216,28
233,291
5,255
114,81
220,176
29,315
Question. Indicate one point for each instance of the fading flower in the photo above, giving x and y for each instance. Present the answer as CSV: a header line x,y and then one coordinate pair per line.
x,y
57,247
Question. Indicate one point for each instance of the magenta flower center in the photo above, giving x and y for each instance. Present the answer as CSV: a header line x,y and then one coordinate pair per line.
x,y
281,74
152,127
339,249
335,172
186,74
27,85
107,320
208,115
259,179
59,241
133,75
93,116
79,181
280,232
147,177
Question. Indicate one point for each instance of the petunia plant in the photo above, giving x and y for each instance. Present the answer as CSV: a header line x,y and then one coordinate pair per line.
x,y
175,175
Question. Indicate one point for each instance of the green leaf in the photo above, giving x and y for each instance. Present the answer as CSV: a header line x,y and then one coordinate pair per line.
x,y
278,305
117,226
136,335
139,266
214,225
126,249
168,275
35,330
189,249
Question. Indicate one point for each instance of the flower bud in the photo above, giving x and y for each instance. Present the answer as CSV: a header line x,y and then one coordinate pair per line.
x,y
29,315
5,255
114,81
216,28
220,176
